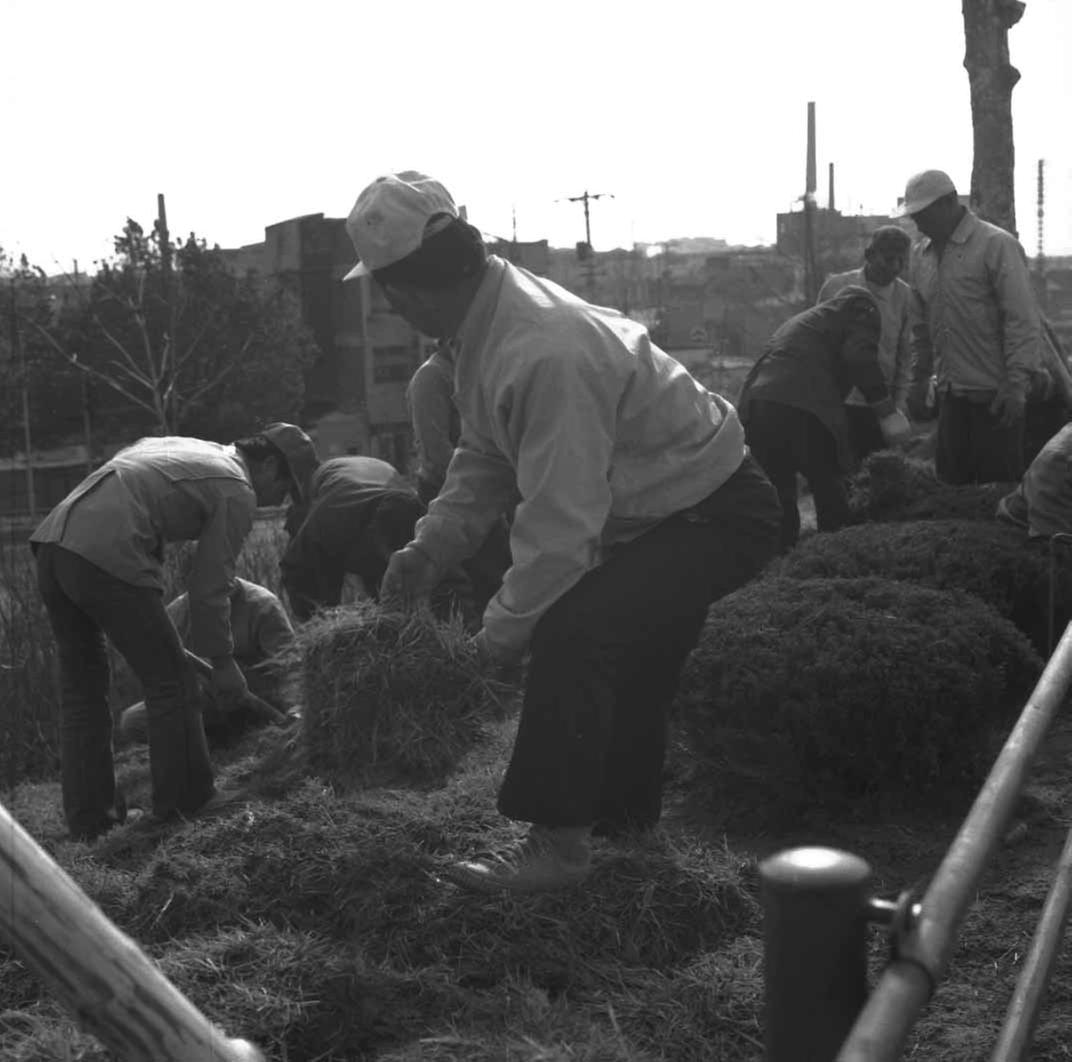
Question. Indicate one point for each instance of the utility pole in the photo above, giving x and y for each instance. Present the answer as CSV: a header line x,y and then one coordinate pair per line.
x,y
811,272
1040,259
584,251
16,343
168,350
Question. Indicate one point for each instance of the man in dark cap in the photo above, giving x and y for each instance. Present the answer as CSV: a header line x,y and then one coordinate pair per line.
x,y
885,258
793,403
99,560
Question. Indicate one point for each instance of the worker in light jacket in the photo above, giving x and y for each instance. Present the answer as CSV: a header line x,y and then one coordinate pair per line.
x,y
621,465
99,557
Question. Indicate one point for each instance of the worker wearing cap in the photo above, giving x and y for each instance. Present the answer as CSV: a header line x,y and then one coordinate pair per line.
x,y
980,334
1041,504
356,515
793,403
624,465
99,558
262,635
885,258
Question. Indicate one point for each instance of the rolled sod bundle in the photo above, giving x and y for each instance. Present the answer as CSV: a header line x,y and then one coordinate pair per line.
x,y
890,486
383,689
858,695
996,562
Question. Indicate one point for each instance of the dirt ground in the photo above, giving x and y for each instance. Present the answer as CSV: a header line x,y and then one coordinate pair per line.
x,y
963,1020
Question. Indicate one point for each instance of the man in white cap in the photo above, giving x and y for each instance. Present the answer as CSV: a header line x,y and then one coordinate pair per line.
x,y
639,506
980,334
99,557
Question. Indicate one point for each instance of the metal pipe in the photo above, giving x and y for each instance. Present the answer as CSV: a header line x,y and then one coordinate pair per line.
x,y
1016,1032
815,950
884,1023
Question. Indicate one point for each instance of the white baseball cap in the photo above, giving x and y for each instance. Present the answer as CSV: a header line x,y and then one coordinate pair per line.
x,y
924,188
391,218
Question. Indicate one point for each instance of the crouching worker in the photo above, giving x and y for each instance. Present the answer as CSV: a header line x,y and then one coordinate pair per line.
x,y
793,403
639,506
1041,504
351,527
99,569
262,634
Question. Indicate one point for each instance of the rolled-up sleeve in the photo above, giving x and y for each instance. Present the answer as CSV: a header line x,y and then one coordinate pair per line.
x,y
212,576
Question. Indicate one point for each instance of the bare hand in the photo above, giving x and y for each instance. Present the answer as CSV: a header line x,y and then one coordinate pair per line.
x,y
228,682
1008,407
410,577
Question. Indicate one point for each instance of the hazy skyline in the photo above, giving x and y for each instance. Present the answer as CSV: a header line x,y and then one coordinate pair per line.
x,y
692,116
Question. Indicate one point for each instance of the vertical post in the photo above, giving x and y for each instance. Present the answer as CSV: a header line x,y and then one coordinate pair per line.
x,y
815,951
27,436
1040,258
811,279
168,352
830,190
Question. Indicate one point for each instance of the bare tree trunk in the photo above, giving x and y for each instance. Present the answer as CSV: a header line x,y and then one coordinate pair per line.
x,y
991,77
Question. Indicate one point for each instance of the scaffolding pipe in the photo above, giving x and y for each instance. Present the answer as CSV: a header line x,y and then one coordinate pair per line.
x,y
108,984
923,952
1015,1041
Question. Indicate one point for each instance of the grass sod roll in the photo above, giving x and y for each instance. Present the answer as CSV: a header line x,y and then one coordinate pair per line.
x,y
857,695
996,562
392,692
892,487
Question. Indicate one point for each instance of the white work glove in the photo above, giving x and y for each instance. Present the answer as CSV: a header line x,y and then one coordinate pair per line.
x,y
410,577
895,427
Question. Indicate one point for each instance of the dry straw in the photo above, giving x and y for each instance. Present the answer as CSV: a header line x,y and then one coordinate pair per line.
x,y
402,693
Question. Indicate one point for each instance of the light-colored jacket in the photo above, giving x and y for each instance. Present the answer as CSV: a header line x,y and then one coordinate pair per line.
x,y
1042,500
260,626
571,408
167,489
436,424
980,329
897,309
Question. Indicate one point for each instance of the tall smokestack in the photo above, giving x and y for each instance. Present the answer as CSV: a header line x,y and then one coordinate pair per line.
x,y
830,195
809,181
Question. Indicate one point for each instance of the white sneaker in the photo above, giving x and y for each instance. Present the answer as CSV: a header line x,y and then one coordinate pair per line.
x,y
548,858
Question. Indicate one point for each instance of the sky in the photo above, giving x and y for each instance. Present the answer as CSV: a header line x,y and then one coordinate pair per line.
x,y
687,116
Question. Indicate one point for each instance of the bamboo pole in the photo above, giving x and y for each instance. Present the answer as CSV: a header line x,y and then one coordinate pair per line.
x,y
109,985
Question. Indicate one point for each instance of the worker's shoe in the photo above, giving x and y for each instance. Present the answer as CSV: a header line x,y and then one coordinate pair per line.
x,y
548,858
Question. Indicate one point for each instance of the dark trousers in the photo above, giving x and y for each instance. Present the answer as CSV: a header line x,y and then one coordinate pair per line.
x,y
787,440
972,447
607,656
865,435
85,604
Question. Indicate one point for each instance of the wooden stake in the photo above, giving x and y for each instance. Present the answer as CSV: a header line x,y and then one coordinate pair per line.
x,y
110,986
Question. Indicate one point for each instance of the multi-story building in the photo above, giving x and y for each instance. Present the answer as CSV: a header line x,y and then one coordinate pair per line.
x,y
355,393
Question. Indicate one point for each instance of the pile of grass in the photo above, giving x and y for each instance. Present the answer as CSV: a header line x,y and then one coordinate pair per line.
x,y
860,696
993,561
319,927
891,486
391,691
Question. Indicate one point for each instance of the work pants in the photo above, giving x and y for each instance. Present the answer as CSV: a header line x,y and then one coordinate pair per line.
x,y
85,604
607,656
786,441
971,446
